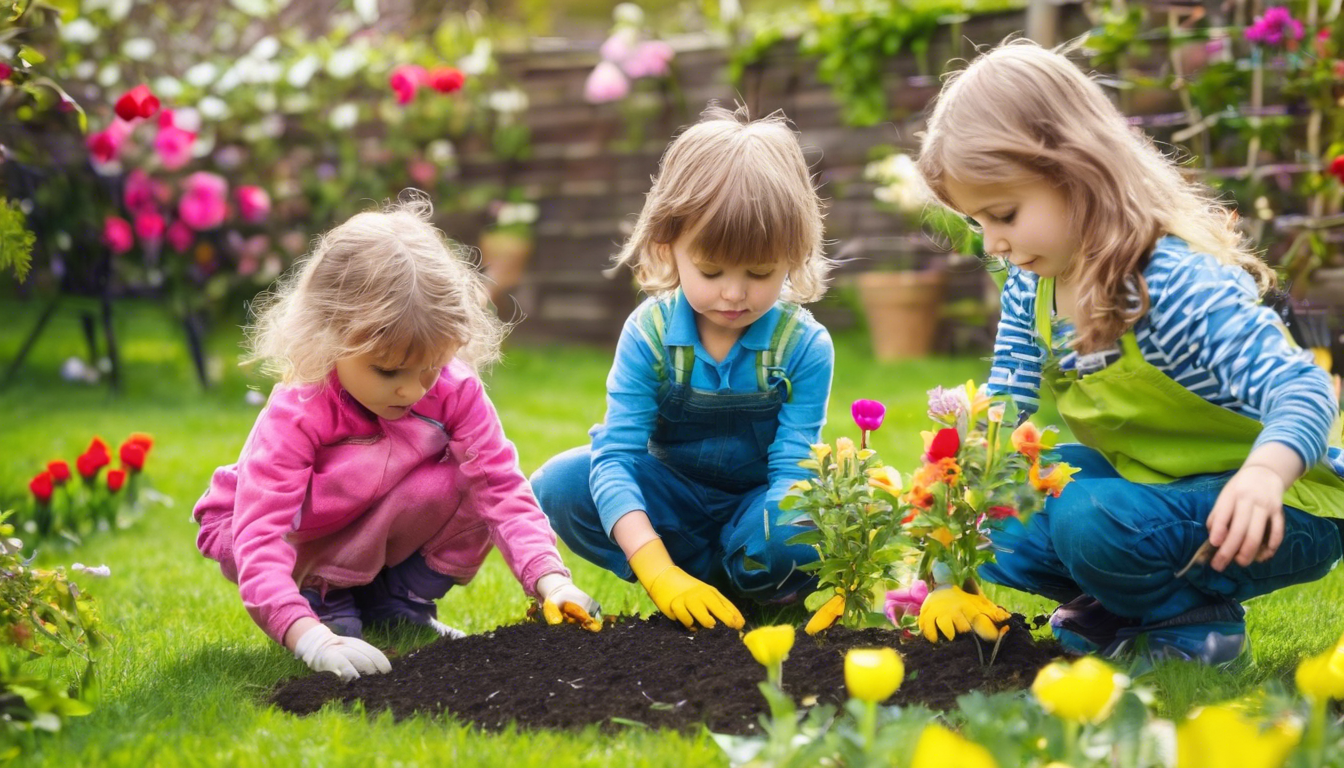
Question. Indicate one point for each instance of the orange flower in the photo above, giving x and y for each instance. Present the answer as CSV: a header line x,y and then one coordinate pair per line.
x,y
1027,441
1054,481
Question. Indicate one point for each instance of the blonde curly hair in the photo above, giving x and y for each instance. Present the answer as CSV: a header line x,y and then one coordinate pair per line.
x,y
746,184
386,282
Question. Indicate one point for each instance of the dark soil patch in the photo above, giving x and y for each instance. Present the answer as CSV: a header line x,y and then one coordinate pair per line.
x,y
651,671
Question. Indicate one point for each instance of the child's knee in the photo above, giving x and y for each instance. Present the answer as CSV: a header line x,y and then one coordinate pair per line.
x,y
563,478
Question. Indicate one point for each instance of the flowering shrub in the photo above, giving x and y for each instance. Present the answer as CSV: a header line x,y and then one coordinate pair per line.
x,y
43,614
626,57
61,507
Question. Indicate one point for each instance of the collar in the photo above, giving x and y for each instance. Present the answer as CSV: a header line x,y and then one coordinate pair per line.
x,y
681,330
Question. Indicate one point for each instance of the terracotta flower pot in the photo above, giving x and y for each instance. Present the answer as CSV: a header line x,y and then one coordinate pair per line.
x,y
902,309
504,257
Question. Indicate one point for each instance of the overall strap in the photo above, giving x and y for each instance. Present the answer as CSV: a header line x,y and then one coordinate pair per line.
x,y
788,332
652,324
1045,302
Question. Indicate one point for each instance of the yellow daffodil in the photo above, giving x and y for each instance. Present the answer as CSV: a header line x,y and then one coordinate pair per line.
x,y
1082,692
1054,481
940,748
1220,736
885,479
873,674
802,486
1317,677
770,646
826,615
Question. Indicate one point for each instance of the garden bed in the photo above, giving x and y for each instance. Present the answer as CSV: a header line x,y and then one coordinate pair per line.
x,y
651,672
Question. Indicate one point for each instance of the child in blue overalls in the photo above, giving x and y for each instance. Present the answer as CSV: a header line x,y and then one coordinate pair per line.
x,y
718,387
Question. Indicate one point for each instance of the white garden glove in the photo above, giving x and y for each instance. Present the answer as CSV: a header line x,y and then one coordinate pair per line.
x,y
559,590
452,633
325,651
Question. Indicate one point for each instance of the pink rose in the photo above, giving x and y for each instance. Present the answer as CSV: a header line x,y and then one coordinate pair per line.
x,y
405,80
139,192
173,146
619,46
649,59
137,102
149,226
906,601
606,83
180,236
254,205
117,234
204,201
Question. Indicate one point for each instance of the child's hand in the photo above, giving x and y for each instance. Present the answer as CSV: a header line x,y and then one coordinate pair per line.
x,y
1246,523
949,610
560,590
325,651
678,594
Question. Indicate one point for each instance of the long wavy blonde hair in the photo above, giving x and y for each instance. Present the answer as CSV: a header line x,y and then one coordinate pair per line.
x,y
386,282
1021,113
748,182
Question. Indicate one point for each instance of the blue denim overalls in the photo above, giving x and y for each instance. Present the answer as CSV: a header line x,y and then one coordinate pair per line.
x,y
704,477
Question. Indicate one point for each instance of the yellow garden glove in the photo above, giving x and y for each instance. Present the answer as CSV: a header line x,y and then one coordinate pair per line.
x,y
677,593
950,610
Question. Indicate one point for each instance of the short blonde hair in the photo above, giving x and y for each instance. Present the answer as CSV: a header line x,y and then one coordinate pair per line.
x,y
746,184
386,282
1021,113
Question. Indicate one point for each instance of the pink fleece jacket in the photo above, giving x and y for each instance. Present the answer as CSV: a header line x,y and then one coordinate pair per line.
x,y
325,494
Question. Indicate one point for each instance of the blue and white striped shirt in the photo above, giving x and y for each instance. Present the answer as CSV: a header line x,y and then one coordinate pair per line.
x,y
1207,330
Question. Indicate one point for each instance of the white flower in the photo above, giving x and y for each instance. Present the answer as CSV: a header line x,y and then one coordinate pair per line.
x,y
231,79
344,116
80,31
202,74
11,546
211,108
440,151
295,103
265,48
138,48
628,13
167,87
346,62
84,70
100,571
508,101
302,71
265,101
478,61
188,119
902,185
367,10
253,397
109,75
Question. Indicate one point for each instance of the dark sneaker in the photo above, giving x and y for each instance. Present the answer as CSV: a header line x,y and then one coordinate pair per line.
x,y
337,610
404,592
1214,635
1083,625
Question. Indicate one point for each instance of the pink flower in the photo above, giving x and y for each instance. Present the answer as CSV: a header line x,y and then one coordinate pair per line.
x,y
254,205
105,145
619,46
5,71
446,79
174,146
139,192
180,236
204,201
149,226
166,118
868,414
605,83
422,172
405,80
906,601
1276,27
117,234
649,59
137,102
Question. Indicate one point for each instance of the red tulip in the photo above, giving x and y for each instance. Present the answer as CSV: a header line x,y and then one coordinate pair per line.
x,y
41,486
142,439
133,455
137,102
944,446
446,79
116,478
60,471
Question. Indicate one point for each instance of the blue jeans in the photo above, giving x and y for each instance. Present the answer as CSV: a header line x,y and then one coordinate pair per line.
x,y
719,537
1122,543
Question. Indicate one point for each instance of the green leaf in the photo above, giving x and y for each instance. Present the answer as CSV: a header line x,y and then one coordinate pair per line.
x,y
31,56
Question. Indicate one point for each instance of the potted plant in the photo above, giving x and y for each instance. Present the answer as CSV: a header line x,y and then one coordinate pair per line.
x,y
506,244
903,307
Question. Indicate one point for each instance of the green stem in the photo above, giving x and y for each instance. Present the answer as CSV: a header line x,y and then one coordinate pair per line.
x,y
1072,754
869,724
1316,732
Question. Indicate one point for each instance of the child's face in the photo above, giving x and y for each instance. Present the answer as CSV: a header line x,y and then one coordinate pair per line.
x,y
1028,224
388,387
728,298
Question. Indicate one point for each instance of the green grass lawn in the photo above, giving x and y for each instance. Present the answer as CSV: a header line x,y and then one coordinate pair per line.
x,y
185,679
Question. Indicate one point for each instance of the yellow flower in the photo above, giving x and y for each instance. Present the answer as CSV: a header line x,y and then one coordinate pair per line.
x,y
826,615
873,674
940,748
1054,482
885,479
996,412
844,451
821,451
1084,692
1027,440
978,399
770,645
1318,678
802,486
1220,736
942,536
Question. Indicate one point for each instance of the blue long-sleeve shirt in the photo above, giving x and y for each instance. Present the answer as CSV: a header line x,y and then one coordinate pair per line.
x,y
632,402
1207,330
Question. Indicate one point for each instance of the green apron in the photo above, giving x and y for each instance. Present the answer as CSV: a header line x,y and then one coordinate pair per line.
x,y
1153,430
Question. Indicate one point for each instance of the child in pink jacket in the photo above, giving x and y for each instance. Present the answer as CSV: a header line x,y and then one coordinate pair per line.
x,y
378,475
